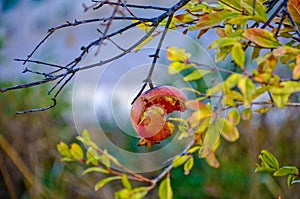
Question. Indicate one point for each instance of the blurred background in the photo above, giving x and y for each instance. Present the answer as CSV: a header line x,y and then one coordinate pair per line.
x,y
30,166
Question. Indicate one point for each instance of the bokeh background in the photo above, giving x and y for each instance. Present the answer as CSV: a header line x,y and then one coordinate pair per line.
x,y
30,166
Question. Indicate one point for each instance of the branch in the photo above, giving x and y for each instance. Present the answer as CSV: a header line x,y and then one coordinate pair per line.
x,y
66,72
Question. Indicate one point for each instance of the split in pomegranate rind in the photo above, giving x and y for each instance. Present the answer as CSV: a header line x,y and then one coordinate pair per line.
x,y
149,111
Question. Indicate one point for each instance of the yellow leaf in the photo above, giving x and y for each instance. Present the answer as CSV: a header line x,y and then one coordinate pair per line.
x,y
238,54
261,37
214,19
294,9
76,151
296,71
212,160
229,131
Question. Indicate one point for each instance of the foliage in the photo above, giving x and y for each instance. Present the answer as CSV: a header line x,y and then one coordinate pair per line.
x,y
260,44
270,164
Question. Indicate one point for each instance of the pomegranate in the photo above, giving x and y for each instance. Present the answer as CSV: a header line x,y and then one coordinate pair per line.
x,y
149,111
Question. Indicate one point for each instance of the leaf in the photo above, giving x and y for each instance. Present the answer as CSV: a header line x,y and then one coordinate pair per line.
x,y
211,140
122,194
139,192
194,149
223,42
188,165
143,43
262,110
286,170
264,169
63,149
255,53
86,135
260,12
234,116
76,151
238,54
290,180
212,160
229,130
214,19
176,67
196,74
270,159
232,5
241,19
248,88
179,160
282,92
92,157
261,37
125,182
294,9
296,70
247,114
165,189
103,182
95,169
145,26
177,54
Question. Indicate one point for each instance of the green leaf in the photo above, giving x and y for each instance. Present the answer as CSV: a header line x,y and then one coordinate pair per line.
x,y
188,165
165,189
234,116
286,170
125,182
86,135
255,53
248,88
290,180
76,151
63,149
223,42
214,19
194,149
238,54
179,160
122,194
260,12
229,130
270,159
240,19
139,192
196,74
286,87
282,92
103,182
264,169
92,157
247,114
95,169
261,37
211,139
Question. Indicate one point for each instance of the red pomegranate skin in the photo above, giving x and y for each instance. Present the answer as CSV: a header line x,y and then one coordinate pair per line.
x,y
149,111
